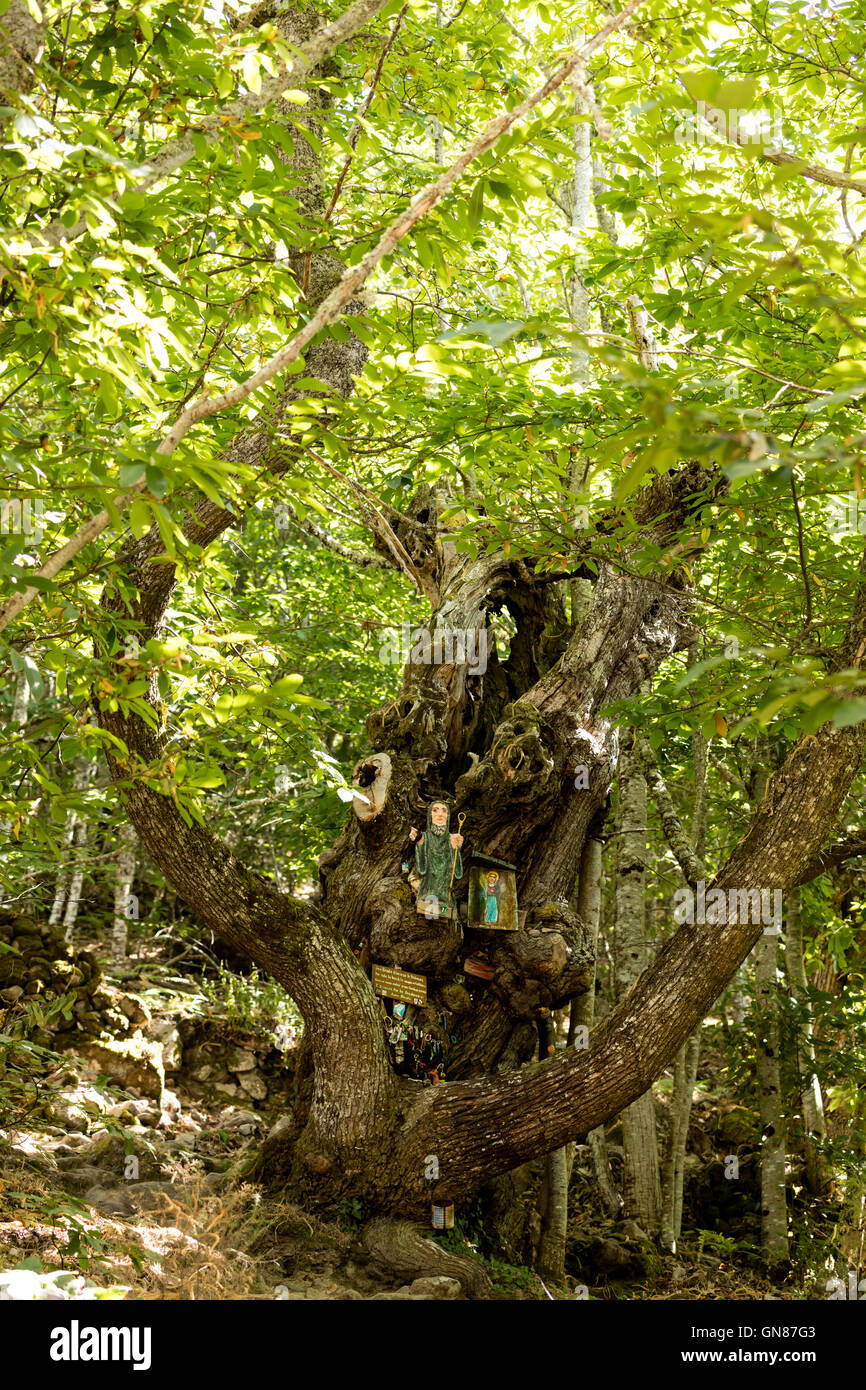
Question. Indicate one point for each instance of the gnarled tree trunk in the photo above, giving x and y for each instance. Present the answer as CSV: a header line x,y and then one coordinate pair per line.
x,y
504,743
527,720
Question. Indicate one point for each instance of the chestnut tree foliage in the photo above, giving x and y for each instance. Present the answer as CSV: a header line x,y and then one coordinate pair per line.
x,y
601,401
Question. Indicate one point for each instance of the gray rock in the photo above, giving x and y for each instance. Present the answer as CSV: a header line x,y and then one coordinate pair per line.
x,y
212,1182
26,1147
73,1117
109,1152
135,1009
134,1063
438,1286
163,1031
239,1060
68,1154
632,1231
171,1108
233,1119
254,1084
154,1196
128,1109
110,1201
82,1179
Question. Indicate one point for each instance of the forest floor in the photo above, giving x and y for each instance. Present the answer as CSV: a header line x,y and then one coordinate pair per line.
x,y
133,1103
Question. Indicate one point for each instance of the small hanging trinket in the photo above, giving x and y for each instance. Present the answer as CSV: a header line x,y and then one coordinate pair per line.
x,y
442,1214
479,968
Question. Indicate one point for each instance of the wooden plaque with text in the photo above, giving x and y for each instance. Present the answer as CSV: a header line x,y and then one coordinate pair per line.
x,y
400,985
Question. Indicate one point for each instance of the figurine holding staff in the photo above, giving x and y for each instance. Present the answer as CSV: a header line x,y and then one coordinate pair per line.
x,y
433,860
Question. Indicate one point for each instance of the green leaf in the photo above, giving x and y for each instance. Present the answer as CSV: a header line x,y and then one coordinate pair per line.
x,y
132,473
476,207
251,71
849,712
157,482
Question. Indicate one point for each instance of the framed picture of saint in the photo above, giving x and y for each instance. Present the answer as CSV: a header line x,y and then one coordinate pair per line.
x,y
492,894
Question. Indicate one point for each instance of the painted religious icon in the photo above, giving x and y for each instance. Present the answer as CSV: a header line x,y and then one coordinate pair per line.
x,y
493,887
437,861
492,894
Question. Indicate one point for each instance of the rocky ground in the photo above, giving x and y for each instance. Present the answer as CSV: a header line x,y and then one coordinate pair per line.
x,y
128,1119
131,1111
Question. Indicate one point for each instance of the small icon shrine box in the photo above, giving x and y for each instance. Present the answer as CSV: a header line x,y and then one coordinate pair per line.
x,y
492,894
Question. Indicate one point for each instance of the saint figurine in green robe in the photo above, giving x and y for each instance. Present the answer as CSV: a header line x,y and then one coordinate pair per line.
x,y
437,861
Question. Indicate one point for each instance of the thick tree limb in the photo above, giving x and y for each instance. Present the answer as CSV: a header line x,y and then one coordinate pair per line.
x,y
22,41
833,856
818,173
489,1127
492,1126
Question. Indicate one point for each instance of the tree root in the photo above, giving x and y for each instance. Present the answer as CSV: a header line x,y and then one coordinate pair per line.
x,y
401,1249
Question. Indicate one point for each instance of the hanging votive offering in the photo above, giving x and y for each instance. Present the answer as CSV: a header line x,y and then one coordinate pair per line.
x,y
480,969
443,1216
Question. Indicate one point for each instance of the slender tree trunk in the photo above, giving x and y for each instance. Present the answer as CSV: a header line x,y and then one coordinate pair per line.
x,y
21,703
691,1056
774,1208
580,203
642,1187
63,873
589,903
558,1164
80,780
437,124
774,1211
811,1099
73,900
686,1064
124,875
551,1250
853,1220
685,1076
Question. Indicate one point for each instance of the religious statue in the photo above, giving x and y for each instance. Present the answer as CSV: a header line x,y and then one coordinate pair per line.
x,y
437,861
